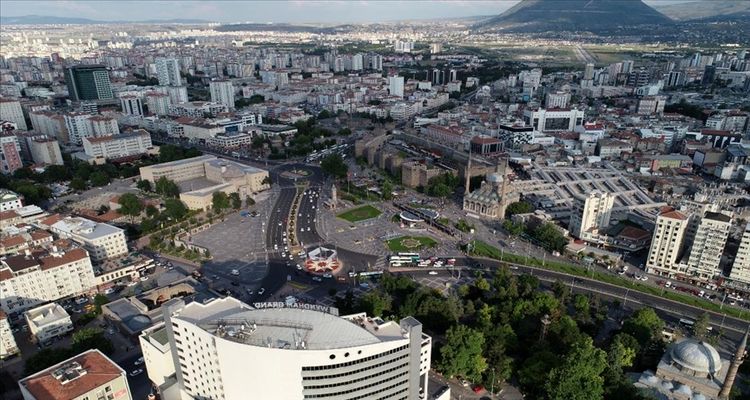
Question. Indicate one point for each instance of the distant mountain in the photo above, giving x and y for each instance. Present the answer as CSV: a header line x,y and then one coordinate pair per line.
x,y
715,10
595,16
51,20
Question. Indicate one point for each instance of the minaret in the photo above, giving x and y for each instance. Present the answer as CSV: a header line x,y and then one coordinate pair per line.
x,y
736,362
468,173
504,189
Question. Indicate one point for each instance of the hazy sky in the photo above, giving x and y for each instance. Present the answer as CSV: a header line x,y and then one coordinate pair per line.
x,y
264,11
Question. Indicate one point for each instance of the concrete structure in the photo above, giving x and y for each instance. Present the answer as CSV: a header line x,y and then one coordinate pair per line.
x,y
8,346
168,72
45,150
157,354
88,82
129,144
131,105
104,126
741,266
9,200
103,241
591,215
158,103
49,123
666,243
396,86
557,100
553,119
89,375
651,105
10,110
47,322
228,177
222,92
78,126
708,246
297,352
10,153
33,278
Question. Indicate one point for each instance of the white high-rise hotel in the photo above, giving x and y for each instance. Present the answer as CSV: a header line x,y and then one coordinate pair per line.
x,y
224,348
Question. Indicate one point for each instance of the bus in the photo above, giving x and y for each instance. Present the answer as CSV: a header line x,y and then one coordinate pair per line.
x,y
401,259
687,322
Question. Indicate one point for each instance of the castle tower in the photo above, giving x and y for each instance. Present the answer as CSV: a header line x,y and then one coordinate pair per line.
x,y
736,362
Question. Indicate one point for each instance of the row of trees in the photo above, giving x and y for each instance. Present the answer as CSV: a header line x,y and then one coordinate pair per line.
x,y
492,330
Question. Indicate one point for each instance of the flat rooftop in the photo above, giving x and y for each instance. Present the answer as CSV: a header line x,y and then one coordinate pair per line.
x,y
85,228
46,314
199,159
287,328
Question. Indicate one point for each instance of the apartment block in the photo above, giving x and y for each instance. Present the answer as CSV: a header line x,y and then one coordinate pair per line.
x,y
10,110
47,322
39,276
120,146
102,241
741,266
708,246
591,215
666,243
8,346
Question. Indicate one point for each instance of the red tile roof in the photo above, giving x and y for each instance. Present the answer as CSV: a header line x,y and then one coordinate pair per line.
x,y
99,371
669,212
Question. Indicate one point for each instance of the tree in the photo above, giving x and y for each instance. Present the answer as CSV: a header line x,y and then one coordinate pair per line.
x,y
344,132
519,207
220,201
144,185
461,355
130,205
334,166
175,209
77,184
99,301
513,228
375,303
324,114
91,338
249,201
439,190
579,375
644,325
151,211
166,187
45,359
234,198
701,327
387,189
99,178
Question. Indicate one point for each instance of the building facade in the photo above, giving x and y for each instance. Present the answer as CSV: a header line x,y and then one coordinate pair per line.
x,y
708,246
88,82
30,279
45,150
298,352
8,346
102,241
666,243
10,153
10,110
90,375
168,72
47,322
741,266
590,215
120,146
222,92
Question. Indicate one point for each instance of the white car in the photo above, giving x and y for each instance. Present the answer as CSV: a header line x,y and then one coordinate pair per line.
x,y
261,291
624,267
136,372
144,278
139,361
299,267
235,272
432,273
308,229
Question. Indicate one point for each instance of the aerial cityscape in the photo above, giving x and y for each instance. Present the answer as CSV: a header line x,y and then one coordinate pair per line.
x,y
421,200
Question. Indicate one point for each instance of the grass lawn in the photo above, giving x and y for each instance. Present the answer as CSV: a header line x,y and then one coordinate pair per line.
x,y
410,243
486,250
360,213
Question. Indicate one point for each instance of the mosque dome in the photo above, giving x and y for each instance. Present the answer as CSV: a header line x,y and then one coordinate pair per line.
x,y
697,356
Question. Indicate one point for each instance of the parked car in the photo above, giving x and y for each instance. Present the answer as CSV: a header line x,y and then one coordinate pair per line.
x,y
432,273
139,361
261,291
136,372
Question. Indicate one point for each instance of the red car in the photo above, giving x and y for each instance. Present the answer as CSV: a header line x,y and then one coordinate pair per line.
x,y
478,389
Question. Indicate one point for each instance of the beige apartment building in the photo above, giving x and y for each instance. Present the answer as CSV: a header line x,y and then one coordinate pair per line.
x,y
666,243
708,246
103,241
8,345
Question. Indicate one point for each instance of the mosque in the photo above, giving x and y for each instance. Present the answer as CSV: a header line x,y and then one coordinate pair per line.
x,y
693,370
492,198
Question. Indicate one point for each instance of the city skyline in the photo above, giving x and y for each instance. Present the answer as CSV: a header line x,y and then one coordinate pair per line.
x,y
269,12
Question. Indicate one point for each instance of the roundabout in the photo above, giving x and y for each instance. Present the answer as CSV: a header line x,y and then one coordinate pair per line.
x,y
322,260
